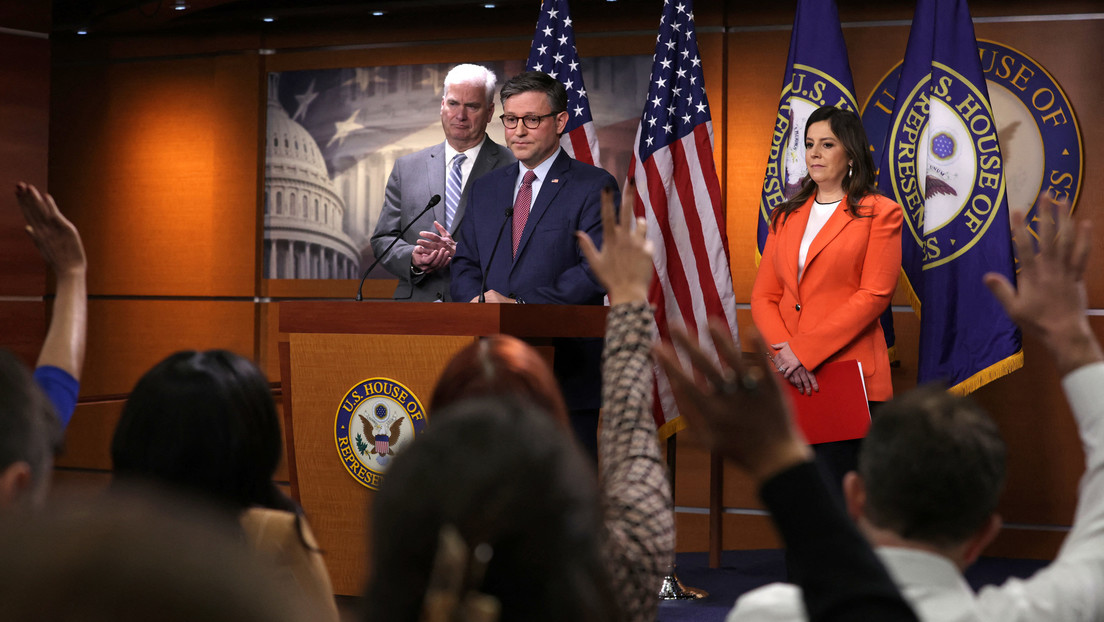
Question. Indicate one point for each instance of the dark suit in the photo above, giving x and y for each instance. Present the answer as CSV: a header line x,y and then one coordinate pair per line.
x,y
414,179
550,267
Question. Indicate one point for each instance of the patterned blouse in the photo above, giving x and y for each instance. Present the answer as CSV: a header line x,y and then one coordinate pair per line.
x,y
638,509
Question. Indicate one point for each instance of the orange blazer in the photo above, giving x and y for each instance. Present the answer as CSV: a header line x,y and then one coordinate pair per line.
x,y
850,274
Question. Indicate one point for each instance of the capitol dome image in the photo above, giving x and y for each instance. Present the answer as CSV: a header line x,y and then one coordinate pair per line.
x,y
303,214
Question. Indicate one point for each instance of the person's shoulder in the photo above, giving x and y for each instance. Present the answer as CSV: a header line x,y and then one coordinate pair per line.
x,y
770,603
268,528
502,151
431,151
878,202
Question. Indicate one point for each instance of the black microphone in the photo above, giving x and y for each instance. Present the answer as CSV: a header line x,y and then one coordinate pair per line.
x,y
483,283
432,201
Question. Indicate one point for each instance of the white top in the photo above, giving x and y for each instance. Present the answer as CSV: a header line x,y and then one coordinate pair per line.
x,y
466,165
820,215
1070,589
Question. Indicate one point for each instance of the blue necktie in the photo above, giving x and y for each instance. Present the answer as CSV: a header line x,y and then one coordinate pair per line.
x,y
453,189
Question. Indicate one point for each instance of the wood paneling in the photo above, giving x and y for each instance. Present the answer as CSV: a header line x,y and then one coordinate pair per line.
x,y
24,126
88,436
22,328
127,337
160,167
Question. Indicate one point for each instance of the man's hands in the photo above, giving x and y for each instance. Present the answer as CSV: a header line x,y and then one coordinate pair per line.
x,y
624,265
1050,301
434,251
492,296
737,406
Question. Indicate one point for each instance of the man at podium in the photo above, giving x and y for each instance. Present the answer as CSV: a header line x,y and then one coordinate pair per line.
x,y
543,200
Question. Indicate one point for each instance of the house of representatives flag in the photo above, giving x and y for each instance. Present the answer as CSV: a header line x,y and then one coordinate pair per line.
x,y
677,191
817,74
554,53
942,163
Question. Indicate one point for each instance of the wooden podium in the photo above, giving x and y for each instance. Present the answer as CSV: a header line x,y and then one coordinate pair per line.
x,y
331,346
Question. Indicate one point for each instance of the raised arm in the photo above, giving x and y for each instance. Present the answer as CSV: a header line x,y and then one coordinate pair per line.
x,y
1049,302
638,505
60,245
739,411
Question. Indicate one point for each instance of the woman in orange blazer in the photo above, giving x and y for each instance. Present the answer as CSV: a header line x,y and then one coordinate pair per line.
x,y
831,261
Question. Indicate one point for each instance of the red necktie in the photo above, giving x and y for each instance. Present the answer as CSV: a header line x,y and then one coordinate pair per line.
x,y
521,206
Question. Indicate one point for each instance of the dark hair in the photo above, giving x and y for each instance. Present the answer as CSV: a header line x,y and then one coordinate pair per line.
x,y
848,128
505,476
29,429
500,365
933,467
205,423
536,81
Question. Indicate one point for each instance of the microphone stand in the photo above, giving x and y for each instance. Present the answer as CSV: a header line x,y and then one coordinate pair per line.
x,y
434,200
483,283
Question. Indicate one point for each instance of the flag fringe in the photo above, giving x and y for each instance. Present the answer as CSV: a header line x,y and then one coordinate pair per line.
x,y
671,428
904,285
989,374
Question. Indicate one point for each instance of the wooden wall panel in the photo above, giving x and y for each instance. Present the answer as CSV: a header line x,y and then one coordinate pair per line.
x,y
127,337
22,328
88,436
160,161
24,127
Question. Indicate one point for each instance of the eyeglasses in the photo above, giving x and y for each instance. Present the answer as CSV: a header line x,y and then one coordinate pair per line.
x,y
532,121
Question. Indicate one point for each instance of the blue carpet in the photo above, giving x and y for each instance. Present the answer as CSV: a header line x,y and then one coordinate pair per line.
x,y
741,571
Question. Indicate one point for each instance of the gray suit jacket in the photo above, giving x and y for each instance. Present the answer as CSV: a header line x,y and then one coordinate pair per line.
x,y
414,179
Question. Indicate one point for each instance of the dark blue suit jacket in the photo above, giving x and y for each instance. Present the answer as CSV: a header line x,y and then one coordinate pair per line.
x,y
549,268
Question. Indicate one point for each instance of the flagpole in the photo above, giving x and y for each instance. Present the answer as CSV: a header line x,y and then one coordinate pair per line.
x,y
672,588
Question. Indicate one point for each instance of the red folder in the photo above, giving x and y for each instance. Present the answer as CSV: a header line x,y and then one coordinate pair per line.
x,y
839,411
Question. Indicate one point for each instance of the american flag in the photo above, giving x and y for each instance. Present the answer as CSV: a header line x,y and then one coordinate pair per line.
x,y
677,191
554,53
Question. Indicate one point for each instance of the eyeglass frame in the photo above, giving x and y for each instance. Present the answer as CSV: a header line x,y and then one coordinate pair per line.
x,y
523,121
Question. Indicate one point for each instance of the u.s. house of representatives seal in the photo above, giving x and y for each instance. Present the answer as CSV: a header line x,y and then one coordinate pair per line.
x,y
1040,140
376,419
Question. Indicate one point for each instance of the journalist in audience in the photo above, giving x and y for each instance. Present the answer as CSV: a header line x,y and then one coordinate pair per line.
x,y
204,424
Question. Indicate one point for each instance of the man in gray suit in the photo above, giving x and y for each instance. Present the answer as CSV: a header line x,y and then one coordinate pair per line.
x,y
421,258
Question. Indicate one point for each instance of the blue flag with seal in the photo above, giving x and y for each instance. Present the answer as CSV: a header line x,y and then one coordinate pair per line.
x,y
942,163
817,73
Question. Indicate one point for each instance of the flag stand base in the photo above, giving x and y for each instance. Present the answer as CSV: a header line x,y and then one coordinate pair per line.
x,y
673,589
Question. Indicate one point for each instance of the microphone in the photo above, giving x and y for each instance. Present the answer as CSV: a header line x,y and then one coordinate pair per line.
x,y
483,283
432,201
